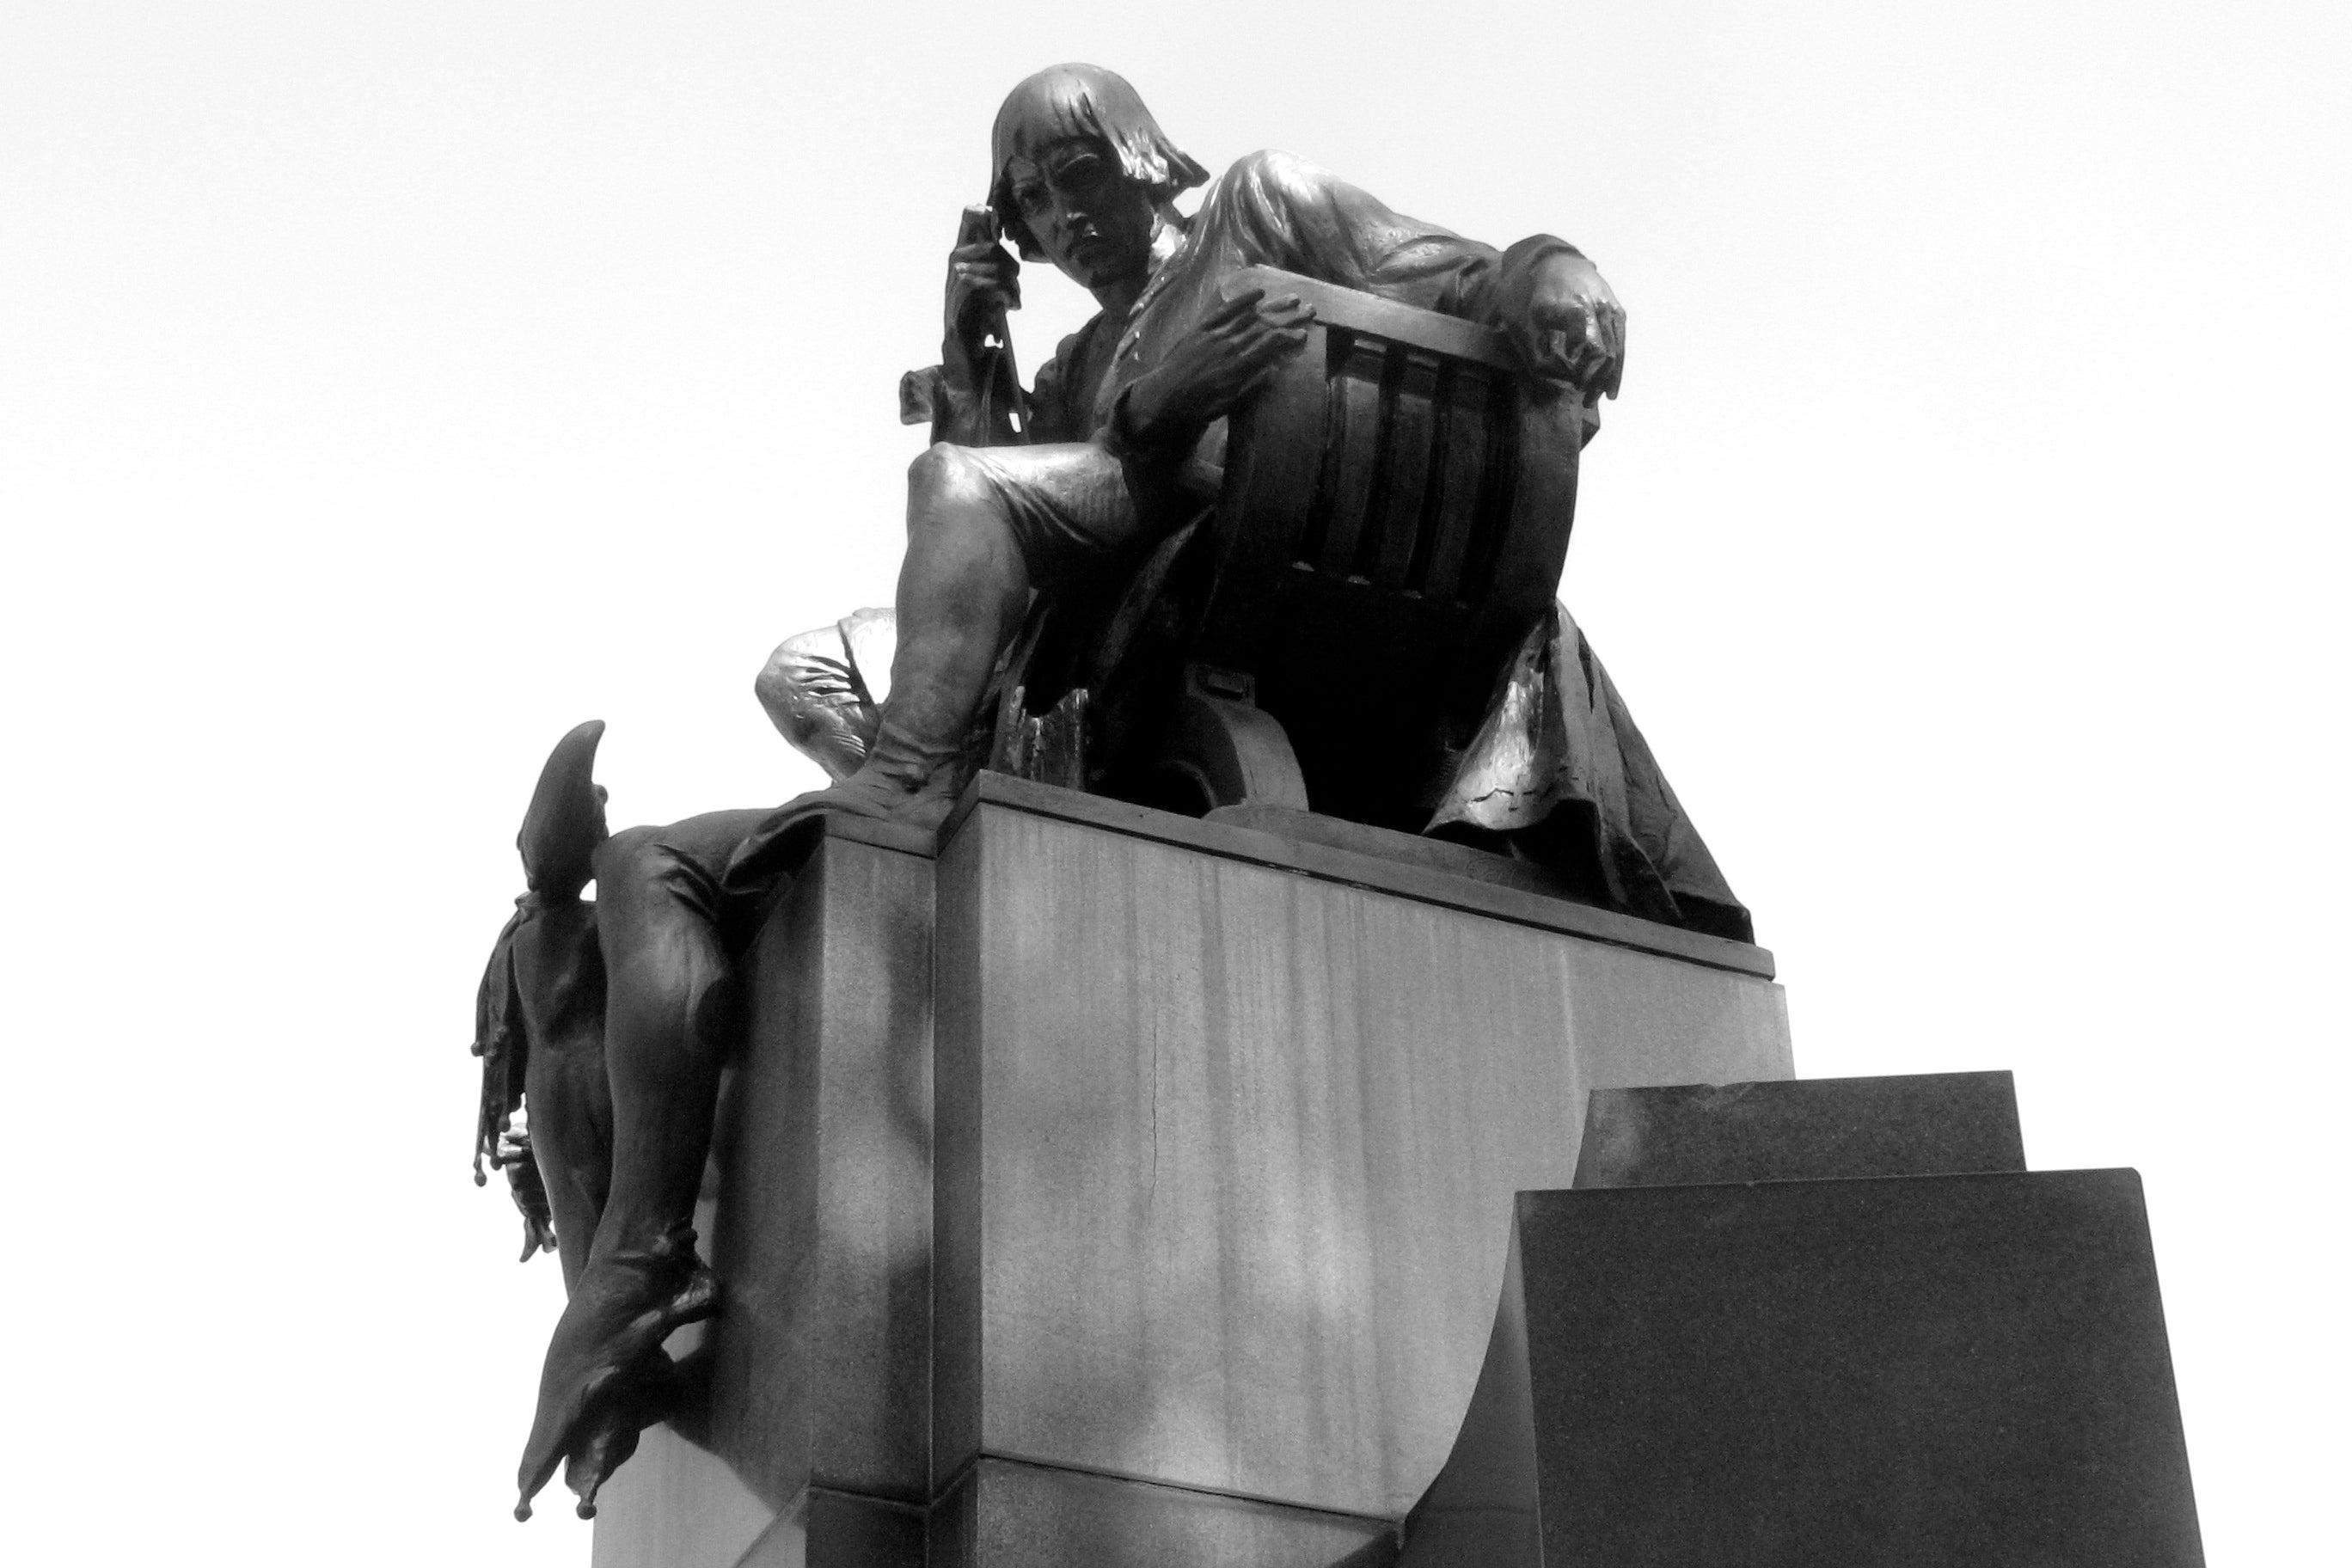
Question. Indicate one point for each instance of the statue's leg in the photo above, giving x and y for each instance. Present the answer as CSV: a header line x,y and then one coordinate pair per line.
x,y
963,589
985,526
671,998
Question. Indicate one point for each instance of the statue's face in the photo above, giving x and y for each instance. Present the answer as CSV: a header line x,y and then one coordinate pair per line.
x,y
1087,215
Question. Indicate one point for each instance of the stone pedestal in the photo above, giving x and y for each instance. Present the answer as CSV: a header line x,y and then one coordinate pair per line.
x,y
1822,1129
1942,1371
1768,1352
1111,1187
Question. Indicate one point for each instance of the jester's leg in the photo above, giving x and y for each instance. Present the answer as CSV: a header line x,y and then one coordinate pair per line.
x,y
668,1018
983,527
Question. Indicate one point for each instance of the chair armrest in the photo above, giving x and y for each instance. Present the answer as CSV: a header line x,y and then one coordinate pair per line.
x,y
1357,311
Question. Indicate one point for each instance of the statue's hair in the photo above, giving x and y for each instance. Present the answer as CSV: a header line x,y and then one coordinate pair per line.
x,y
1063,101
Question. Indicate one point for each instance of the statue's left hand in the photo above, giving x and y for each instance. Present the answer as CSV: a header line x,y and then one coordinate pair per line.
x,y
1566,323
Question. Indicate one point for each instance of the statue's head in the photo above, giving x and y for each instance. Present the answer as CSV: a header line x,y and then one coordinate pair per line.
x,y
1081,173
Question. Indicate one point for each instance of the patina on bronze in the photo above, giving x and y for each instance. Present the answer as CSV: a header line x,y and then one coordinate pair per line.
x,y
1080,475
610,1020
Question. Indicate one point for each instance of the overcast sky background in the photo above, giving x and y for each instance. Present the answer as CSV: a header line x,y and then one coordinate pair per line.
x,y
386,388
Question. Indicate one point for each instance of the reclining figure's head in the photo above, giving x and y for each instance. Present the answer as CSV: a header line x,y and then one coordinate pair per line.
x,y
1081,173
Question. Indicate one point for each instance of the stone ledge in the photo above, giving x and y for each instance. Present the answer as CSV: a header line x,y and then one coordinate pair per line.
x,y
1375,873
1003,1511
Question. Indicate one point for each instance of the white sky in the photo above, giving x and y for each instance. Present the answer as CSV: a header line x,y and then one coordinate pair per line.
x,y
386,387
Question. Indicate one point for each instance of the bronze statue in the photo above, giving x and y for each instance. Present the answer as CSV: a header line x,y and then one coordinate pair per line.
x,y
610,1020
1003,504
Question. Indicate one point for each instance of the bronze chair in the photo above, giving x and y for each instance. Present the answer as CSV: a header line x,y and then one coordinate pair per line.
x,y
1389,518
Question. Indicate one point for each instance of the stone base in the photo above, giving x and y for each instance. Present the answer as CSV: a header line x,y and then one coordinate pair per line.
x,y
1120,1187
1801,1361
1944,1371
1918,1124
681,1505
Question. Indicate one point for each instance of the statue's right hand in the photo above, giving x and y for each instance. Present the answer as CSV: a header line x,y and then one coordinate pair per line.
x,y
1228,354
983,283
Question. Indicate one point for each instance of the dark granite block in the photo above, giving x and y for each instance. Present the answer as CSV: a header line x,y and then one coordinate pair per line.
x,y
1004,1514
1941,1371
1800,1130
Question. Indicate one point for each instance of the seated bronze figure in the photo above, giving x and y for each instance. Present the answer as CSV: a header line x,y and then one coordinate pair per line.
x,y
1281,525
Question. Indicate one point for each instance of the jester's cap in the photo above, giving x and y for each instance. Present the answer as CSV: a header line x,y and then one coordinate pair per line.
x,y
1062,101
566,819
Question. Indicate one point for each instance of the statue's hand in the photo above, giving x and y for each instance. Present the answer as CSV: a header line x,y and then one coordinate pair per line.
x,y
1566,324
530,1192
983,283
1214,366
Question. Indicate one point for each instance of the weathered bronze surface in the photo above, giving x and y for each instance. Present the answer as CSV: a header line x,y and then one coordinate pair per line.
x,y
609,1021
1279,529
1308,443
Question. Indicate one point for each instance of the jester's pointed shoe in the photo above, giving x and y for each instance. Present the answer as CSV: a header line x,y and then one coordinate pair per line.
x,y
650,1391
602,1359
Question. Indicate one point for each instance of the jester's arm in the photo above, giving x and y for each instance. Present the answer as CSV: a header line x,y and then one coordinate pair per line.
x,y
504,1048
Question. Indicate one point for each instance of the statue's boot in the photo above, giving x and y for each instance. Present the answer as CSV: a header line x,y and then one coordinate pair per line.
x,y
784,840
963,588
910,774
625,1306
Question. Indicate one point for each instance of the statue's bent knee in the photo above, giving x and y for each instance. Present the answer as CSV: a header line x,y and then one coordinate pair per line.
x,y
644,880
627,867
944,483
931,467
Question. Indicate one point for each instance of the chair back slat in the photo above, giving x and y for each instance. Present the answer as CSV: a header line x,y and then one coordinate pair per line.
x,y
1402,485
1393,515
1351,446
1463,440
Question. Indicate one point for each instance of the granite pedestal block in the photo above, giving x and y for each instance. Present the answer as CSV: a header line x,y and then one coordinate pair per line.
x,y
1113,1188
1942,1371
1484,1503
1918,1124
